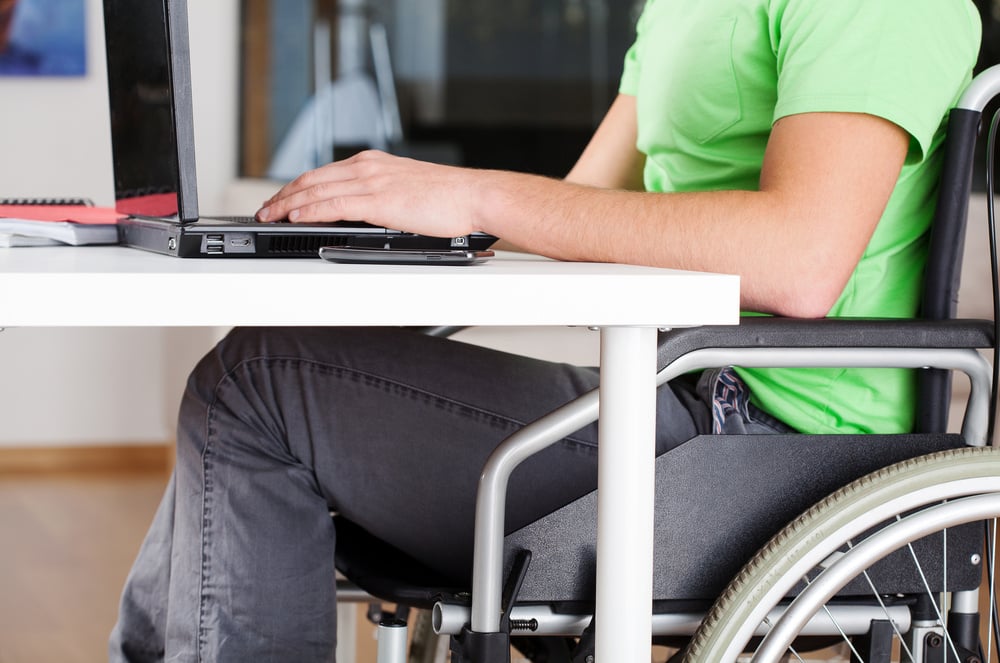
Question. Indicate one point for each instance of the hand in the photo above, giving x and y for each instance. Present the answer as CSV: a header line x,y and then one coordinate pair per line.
x,y
390,191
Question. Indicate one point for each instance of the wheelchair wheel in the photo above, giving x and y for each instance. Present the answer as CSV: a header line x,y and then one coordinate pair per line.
x,y
791,595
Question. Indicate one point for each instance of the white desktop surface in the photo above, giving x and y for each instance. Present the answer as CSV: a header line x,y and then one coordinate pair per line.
x,y
116,286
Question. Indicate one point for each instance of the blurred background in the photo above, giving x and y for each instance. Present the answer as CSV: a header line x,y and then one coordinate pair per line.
x,y
518,85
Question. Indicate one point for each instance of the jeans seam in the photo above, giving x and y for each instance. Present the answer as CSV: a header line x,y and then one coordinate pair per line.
x,y
206,523
457,406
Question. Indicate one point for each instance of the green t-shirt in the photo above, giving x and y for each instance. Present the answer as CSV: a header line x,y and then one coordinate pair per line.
x,y
711,78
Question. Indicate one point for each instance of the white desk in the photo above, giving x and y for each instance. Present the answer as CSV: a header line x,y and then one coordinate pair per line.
x,y
112,286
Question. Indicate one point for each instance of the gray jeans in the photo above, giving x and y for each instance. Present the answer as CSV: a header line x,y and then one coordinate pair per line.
x,y
386,426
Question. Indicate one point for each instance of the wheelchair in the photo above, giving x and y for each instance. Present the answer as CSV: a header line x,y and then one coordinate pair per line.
x,y
872,548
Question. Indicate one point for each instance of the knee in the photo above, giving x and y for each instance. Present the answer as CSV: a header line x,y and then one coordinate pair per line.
x,y
209,394
251,355
201,391
247,350
244,343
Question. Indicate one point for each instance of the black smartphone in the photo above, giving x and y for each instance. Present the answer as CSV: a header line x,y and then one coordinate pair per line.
x,y
368,255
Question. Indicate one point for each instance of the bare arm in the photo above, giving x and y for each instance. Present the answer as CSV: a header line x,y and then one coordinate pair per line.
x,y
825,183
610,160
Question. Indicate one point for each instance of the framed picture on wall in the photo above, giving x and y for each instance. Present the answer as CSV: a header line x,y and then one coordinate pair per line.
x,y
43,38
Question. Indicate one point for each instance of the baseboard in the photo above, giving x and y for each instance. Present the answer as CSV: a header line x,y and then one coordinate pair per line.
x,y
112,458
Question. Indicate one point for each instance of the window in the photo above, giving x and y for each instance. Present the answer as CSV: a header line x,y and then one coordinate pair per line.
x,y
519,84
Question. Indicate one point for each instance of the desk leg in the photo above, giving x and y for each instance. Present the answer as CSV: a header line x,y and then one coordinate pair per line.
x,y
625,495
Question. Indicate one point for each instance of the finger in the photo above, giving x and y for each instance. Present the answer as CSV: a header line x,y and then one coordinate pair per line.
x,y
300,184
342,208
340,171
281,207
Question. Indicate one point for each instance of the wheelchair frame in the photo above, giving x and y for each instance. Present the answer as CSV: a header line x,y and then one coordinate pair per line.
x,y
943,343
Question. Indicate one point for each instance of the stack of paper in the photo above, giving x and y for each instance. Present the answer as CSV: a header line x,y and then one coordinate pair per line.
x,y
45,225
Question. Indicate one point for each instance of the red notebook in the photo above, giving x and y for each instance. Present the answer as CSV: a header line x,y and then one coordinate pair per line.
x,y
52,224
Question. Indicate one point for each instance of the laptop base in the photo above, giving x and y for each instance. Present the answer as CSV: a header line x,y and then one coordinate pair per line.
x,y
220,238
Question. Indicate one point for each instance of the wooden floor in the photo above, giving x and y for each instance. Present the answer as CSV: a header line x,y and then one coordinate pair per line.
x,y
68,540
67,544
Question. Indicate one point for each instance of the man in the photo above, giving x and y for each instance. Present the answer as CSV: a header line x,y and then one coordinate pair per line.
x,y
792,142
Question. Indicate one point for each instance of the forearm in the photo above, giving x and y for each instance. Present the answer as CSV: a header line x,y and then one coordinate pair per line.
x,y
757,235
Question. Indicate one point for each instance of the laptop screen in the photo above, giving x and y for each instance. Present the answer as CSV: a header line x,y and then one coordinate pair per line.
x,y
146,108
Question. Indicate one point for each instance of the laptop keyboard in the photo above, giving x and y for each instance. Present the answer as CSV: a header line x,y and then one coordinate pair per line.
x,y
76,202
231,219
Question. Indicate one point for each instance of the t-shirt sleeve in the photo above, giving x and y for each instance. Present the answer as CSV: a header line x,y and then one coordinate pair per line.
x,y
852,56
630,73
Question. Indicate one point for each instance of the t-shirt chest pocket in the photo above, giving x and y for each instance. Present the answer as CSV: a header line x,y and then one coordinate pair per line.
x,y
697,77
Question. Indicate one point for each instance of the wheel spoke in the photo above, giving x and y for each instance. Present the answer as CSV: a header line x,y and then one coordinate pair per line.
x,y
935,601
836,624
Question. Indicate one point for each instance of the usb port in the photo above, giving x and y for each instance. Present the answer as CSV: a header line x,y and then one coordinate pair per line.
x,y
214,243
240,243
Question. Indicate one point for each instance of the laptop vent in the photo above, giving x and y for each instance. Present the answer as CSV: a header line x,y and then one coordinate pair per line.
x,y
301,244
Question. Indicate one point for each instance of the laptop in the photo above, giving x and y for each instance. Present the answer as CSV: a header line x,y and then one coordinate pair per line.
x,y
152,139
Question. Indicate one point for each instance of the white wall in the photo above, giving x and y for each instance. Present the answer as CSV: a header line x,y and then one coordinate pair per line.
x,y
54,132
214,28
81,386
54,135
90,386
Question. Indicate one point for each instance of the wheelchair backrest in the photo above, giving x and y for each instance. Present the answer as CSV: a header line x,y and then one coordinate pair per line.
x,y
947,239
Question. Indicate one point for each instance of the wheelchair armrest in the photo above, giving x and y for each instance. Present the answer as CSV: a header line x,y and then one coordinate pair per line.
x,y
441,330
827,333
